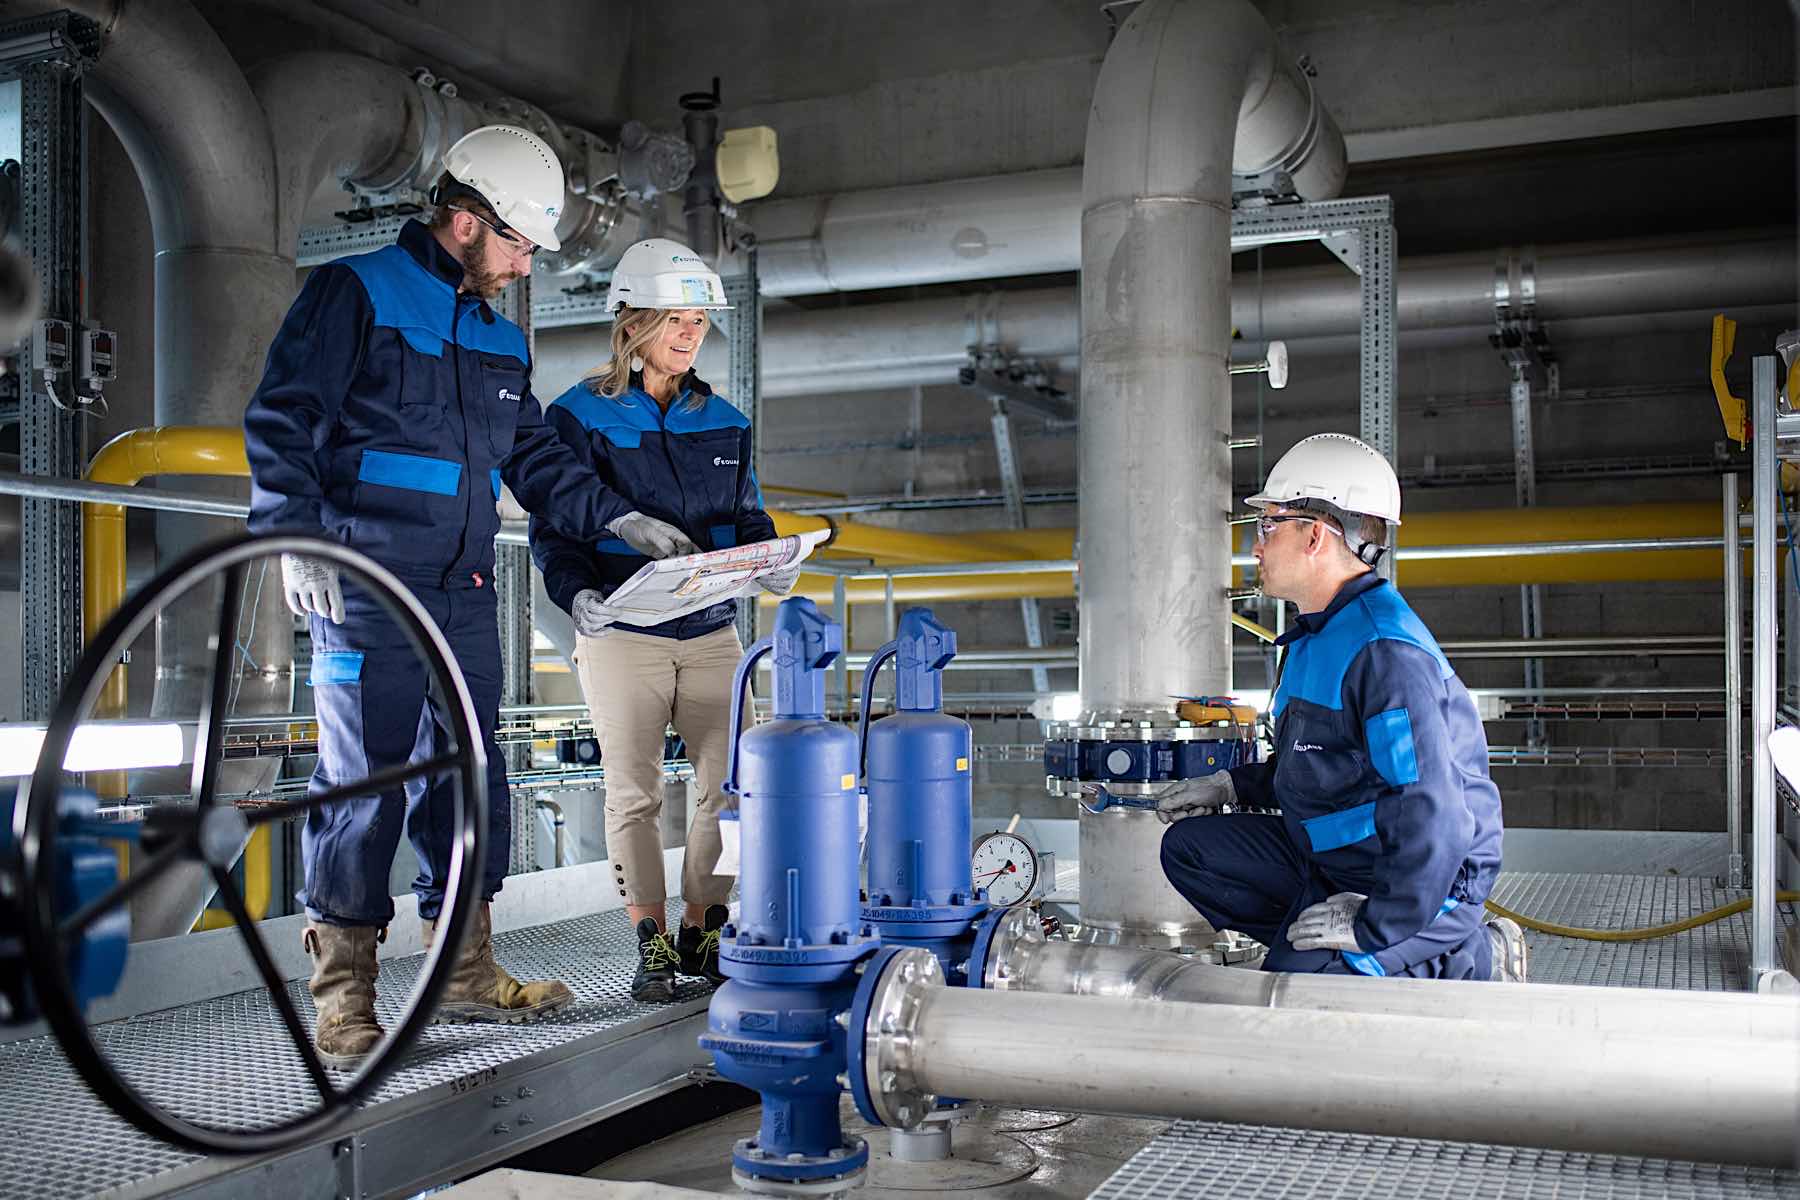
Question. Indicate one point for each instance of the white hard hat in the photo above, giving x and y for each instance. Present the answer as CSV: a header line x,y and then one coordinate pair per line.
x,y
659,273
1337,470
518,175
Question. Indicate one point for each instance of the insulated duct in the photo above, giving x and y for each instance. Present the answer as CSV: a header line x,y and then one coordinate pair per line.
x,y
1602,289
1185,86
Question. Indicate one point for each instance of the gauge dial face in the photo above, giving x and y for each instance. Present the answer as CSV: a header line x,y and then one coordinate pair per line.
x,y
1006,866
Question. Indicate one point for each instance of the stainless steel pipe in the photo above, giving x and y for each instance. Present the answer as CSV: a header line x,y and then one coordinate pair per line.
x,y
1734,689
1155,356
1700,1098
1764,482
1023,960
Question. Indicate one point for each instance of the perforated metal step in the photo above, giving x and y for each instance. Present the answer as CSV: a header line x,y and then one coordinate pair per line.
x,y
230,1062
1711,958
1208,1161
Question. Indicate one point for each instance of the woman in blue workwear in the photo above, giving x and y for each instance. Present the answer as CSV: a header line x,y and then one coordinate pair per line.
x,y
678,457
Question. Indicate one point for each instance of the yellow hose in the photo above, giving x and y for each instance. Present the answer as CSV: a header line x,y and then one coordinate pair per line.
x,y
1634,935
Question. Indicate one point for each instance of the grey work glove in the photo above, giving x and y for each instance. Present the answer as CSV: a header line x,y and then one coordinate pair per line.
x,y
779,583
592,613
647,535
311,586
1328,925
1209,793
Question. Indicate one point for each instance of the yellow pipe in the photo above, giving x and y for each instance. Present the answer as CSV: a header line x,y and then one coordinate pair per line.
x,y
901,547
258,888
129,459
1477,527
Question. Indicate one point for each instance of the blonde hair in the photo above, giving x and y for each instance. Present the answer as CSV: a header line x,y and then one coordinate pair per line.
x,y
633,329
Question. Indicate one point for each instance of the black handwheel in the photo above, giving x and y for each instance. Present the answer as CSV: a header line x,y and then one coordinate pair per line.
x,y
210,833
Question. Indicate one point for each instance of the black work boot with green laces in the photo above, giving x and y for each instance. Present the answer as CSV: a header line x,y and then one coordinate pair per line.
x,y
699,945
654,982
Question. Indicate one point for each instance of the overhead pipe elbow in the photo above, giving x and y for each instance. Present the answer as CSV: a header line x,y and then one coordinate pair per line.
x,y
354,121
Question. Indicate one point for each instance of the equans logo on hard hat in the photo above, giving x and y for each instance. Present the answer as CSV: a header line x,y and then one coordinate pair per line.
x,y
678,259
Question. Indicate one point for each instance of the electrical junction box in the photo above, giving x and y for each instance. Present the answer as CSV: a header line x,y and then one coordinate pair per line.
x,y
98,350
748,163
52,346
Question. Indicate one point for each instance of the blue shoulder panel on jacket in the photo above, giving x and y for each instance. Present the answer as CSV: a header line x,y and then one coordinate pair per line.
x,y
1317,665
1389,736
716,413
623,420
408,298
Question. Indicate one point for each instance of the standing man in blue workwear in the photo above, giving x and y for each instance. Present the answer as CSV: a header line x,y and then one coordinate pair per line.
x,y
1388,838
394,404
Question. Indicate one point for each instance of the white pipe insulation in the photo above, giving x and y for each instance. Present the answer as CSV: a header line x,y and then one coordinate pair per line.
x,y
922,342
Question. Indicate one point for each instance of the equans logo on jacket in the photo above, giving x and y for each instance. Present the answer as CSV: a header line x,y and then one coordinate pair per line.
x,y
1303,747
724,462
509,395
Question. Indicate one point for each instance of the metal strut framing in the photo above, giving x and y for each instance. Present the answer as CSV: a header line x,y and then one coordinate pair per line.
x,y
52,439
512,593
743,332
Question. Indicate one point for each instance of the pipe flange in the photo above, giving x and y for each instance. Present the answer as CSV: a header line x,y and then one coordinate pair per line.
x,y
763,1173
901,981
996,939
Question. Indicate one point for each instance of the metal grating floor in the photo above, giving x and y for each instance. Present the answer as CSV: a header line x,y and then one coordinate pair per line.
x,y
229,1061
1711,958
1207,1161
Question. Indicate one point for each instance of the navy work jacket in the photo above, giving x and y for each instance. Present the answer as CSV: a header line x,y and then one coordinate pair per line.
x,y
1381,774
391,409
689,466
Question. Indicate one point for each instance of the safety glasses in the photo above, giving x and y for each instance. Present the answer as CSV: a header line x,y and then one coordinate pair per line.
x,y
1266,525
514,242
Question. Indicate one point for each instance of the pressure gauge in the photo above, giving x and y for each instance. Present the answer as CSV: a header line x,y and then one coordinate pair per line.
x,y
1007,866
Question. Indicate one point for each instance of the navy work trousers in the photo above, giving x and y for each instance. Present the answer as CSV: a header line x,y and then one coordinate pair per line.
x,y
378,708
1242,871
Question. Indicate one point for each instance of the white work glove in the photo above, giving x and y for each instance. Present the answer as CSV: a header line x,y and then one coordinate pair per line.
x,y
779,583
1208,793
647,535
592,613
311,586
1328,925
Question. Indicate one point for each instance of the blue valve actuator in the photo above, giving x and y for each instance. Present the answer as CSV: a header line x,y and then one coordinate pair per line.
x,y
790,959
918,772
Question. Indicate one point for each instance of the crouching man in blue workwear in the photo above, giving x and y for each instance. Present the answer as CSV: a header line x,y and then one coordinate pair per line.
x,y
394,405
1388,838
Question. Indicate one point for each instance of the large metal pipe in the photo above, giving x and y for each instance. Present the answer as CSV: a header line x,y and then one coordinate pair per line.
x,y
1598,289
1696,1097
1023,960
1765,481
1186,86
350,119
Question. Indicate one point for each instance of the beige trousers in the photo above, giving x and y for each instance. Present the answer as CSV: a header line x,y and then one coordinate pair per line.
x,y
636,686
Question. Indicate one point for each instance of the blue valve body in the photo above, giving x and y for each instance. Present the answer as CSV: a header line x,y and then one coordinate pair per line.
x,y
790,960
919,786
85,868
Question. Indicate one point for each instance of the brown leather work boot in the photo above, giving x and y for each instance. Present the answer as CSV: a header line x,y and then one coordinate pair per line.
x,y
481,990
343,991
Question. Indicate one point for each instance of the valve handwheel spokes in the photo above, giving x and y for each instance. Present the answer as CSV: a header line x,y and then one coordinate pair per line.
x,y
212,831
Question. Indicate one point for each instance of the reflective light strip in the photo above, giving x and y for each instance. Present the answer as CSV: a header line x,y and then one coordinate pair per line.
x,y
96,746
414,472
